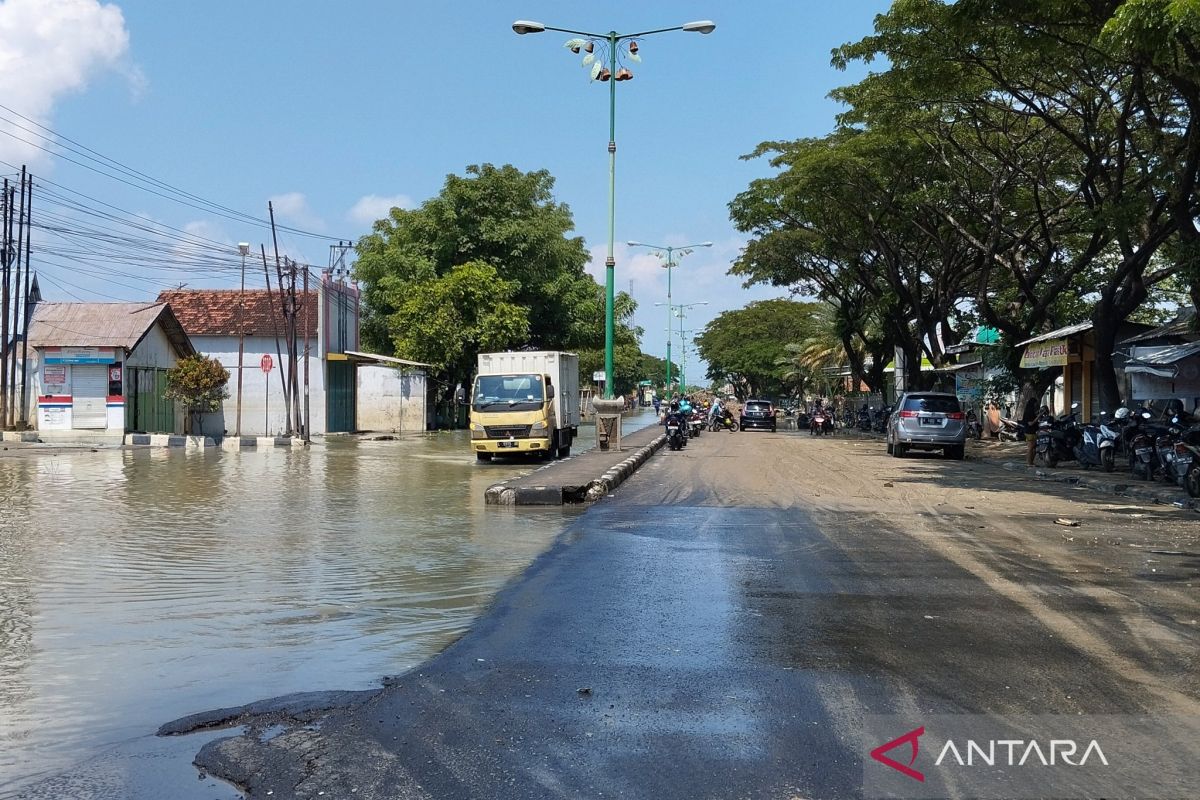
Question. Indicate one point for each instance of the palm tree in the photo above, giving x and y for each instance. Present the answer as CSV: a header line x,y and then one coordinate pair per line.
x,y
814,355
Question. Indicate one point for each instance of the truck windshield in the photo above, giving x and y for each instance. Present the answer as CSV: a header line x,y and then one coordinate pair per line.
x,y
508,393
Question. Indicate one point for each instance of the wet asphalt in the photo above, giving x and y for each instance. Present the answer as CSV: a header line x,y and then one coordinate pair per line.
x,y
713,648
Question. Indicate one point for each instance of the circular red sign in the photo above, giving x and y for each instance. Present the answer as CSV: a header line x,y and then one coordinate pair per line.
x,y
267,363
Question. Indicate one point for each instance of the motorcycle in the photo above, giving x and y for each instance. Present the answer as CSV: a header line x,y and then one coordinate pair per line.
x,y
676,438
1095,446
695,424
974,427
1140,437
880,422
725,422
1187,460
864,421
1055,439
1010,430
820,423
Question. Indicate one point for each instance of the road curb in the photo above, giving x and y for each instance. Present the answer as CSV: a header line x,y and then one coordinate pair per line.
x,y
1131,490
551,494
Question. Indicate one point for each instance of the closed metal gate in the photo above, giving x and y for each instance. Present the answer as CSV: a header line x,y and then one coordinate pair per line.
x,y
146,409
340,396
89,396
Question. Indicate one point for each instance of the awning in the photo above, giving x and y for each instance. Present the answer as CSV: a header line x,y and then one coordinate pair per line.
x,y
1061,333
376,358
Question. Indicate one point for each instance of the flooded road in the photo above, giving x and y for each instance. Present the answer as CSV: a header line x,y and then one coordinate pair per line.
x,y
137,586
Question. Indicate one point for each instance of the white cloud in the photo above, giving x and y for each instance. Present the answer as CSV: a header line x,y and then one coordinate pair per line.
x,y
372,207
49,48
292,208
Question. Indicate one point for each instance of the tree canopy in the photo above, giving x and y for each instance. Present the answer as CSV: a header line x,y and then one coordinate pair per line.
x,y
487,264
743,346
1022,165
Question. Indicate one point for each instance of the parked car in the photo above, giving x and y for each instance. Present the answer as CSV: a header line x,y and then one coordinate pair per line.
x,y
757,414
927,421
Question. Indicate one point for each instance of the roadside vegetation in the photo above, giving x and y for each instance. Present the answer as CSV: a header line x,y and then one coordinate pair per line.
x,y
1020,166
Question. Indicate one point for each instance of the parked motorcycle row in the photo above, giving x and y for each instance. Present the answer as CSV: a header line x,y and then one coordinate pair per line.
x,y
1155,450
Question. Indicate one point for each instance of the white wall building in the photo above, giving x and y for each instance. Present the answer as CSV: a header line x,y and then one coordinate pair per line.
x,y
101,368
342,397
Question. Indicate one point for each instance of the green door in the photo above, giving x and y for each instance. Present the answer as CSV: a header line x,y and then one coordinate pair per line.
x,y
146,410
340,396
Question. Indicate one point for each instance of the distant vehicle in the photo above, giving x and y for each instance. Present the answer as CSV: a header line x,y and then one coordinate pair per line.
x,y
927,421
525,403
757,414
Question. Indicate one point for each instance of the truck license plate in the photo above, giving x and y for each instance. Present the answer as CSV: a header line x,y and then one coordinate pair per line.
x,y
506,444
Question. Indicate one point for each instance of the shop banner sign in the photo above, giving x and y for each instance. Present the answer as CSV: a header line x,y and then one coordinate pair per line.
x,y
79,355
1050,353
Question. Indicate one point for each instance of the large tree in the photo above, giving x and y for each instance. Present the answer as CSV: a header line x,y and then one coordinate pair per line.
x,y
489,263
743,346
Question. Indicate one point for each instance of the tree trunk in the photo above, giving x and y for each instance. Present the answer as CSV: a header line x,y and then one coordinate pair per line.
x,y
1105,332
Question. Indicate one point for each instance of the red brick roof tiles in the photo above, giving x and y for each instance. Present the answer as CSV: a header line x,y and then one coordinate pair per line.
x,y
214,312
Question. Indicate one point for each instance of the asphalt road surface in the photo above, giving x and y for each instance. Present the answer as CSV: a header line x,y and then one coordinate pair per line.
x,y
720,628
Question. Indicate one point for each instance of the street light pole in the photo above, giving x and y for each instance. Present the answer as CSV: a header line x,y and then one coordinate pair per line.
x,y
243,248
683,251
612,38
680,312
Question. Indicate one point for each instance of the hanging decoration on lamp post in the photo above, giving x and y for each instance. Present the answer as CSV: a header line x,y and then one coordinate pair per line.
x,y
601,57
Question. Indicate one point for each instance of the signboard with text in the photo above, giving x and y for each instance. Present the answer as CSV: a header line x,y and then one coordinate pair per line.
x,y
80,355
1050,353
54,375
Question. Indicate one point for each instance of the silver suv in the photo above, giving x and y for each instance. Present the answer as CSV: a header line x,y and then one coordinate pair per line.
x,y
927,421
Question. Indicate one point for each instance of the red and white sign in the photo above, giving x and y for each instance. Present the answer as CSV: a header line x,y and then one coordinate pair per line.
x,y
267,362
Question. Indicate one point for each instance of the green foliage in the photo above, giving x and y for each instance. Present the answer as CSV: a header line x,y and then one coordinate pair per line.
x,y
744,346
446,321
198,382
487,264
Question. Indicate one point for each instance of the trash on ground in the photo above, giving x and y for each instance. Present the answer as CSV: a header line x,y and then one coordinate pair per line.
x,y
1070,523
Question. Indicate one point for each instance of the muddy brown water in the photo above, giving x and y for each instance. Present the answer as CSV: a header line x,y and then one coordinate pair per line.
x,y
137,586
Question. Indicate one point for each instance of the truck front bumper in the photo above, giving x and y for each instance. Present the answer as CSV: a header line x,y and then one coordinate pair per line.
x,y
502,446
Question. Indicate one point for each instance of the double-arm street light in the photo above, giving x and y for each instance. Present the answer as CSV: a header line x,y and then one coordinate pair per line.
x,y
669,265
611,73
680,311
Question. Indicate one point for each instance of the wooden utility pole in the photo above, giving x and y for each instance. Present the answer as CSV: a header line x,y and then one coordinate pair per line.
x,y
11,420
307,416
23,422
287,380
275,328
7,259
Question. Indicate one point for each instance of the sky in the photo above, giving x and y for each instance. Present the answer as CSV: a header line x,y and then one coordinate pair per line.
x,y
182,120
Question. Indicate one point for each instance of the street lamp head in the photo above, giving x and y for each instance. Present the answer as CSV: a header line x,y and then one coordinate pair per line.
x,y
634,244
524,26
243,247
706,244
699,26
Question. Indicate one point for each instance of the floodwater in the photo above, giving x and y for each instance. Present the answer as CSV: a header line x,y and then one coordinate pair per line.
x,y
138,586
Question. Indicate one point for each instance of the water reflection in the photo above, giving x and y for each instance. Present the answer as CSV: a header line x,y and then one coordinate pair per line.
x,y
137,586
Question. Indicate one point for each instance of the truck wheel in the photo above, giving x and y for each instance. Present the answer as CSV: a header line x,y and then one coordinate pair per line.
x,y
483,456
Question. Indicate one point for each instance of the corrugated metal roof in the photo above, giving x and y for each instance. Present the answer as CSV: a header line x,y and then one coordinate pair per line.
x,y
1168,355
1181,326
1059,334
103,325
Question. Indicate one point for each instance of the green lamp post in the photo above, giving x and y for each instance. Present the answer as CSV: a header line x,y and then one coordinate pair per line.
x,y
681,311
611,74
669,265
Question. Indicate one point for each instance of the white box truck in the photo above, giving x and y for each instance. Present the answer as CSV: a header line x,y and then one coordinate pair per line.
x,y
525,403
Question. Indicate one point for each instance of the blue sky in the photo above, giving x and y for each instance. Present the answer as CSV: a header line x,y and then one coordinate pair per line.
x,y
336,110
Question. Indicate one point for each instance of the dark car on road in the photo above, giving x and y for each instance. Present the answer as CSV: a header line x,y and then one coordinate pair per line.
x,y
757,414
927,421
